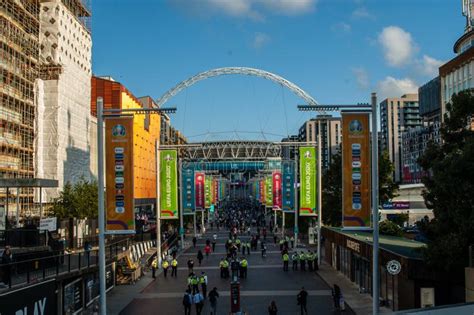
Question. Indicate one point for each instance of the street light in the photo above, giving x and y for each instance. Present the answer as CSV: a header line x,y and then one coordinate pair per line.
x,y
101,114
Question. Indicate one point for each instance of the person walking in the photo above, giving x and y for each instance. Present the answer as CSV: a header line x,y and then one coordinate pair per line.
x,y
310,259
165,264
214,243
336,296
194,241
213,295
195,283
272,308
221,266
198,300
243,268
187,302
191,265
200,257
7,268
303,261
174,268
154,266
203,282
207,250
302,299
248,248
286,258
295,259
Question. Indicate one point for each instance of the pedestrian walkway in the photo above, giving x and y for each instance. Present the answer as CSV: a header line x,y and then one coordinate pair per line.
x,y
266,281
360,303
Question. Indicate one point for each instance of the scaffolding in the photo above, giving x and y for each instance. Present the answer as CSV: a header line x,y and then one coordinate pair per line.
x,y
19,55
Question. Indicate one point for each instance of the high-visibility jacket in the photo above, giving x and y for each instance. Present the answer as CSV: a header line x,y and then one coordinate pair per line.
x,y
226,264
295,257
190,280
154,263
202,280
237,242
286,257
194,281
174,263
282,242
244,263
302,257
165,264
311,257
221,264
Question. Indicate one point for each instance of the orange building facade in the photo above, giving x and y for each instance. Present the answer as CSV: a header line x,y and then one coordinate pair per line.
x,y
146,132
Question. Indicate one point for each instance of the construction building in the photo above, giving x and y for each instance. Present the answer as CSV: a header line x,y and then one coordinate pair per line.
x,y
65,127
19,64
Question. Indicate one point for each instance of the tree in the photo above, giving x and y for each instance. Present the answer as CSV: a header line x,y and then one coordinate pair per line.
x,y
332,187
77,201
388,227
450,186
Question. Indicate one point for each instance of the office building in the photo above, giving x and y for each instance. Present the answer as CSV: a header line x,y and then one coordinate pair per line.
x,y
331,135
397,115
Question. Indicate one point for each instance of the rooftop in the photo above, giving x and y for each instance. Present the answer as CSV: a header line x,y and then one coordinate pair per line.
x,y
397,245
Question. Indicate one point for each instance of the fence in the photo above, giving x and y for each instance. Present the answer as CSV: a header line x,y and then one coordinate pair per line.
x,y
36,270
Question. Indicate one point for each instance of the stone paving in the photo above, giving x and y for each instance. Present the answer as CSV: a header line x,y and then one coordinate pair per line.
x,y
266,282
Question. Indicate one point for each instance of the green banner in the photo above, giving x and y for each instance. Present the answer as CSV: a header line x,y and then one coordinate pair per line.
x,y
207,191
168,184
308,192
269,191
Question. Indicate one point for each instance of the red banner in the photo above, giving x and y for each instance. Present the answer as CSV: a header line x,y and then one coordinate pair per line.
x,y
277,202
199,184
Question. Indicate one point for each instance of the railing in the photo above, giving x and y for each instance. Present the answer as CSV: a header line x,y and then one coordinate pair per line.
x,y
36,270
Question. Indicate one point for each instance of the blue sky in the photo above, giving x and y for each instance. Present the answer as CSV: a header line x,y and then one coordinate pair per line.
x,y
336,50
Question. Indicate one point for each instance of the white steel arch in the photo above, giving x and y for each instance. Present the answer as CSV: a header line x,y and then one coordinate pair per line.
x,y
236,70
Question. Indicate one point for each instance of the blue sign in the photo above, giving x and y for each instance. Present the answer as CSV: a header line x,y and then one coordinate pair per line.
x,y
187,190
288,187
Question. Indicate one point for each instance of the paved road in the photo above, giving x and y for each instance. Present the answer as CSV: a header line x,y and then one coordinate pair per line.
x,y
266,282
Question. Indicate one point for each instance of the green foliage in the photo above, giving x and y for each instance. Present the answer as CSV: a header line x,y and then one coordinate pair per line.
x,y
77,201
449,189
387,187
332,187
388,227
332,192
400,219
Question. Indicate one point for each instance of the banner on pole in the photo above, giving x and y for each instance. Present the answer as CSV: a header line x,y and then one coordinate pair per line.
x,y
262,189
168,184
199,179
119,174
187,189
207,191
277,200
355,170
269,191
308,194
288,188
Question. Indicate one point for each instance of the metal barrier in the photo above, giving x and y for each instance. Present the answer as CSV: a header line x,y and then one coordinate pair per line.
x,y
36,270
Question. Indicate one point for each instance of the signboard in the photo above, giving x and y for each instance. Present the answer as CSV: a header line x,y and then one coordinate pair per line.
x,y
34,299
396,205
234,297
207,191
72,297
119,174
49,224
277,200
199,179
262,189
355,170
427,297
215,191
394,267
187,190
308,174
269,191
168,184
288,188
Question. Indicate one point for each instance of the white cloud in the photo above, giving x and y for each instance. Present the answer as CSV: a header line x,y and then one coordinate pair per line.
x,y
428,66
398,46
392,87
361,13
342,27
362,77
260,40
252,9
